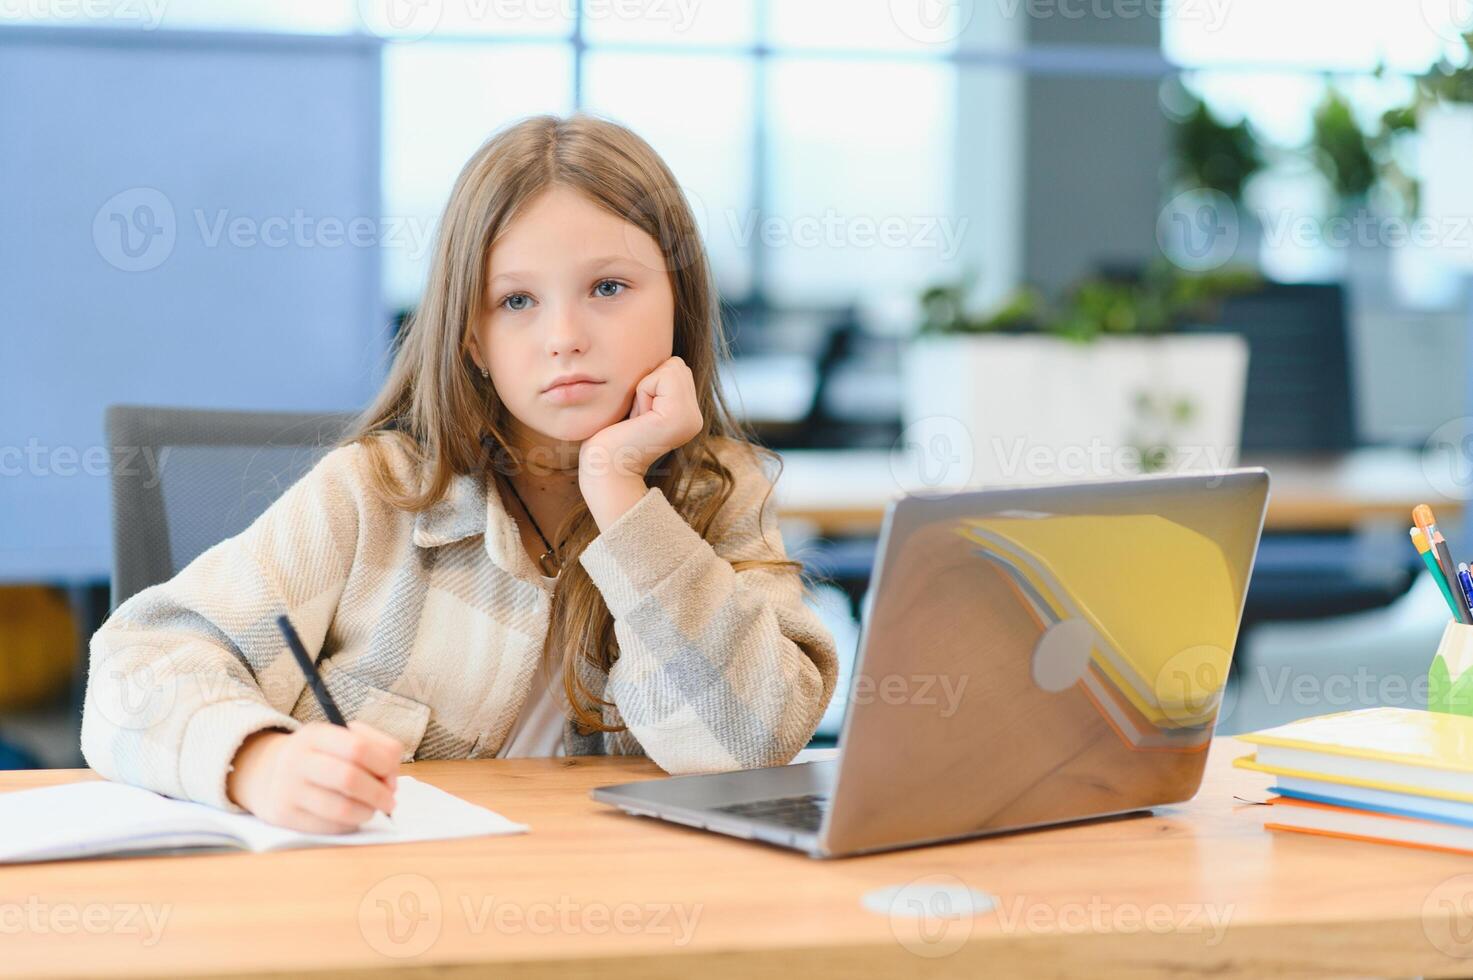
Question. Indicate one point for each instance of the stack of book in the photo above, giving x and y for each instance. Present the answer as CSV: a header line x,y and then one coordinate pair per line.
x,y
1389,775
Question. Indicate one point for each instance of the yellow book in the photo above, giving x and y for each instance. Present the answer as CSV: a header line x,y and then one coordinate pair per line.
x,y
1400,749
1251,762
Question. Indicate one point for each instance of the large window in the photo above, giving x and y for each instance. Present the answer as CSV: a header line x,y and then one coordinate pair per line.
x,y
814,138
698,111
440,102
1273,63
1320,35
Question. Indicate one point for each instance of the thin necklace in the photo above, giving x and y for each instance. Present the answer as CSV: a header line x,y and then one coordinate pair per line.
x,y
551,564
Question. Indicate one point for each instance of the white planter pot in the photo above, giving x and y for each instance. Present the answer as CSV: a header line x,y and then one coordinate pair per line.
x,y
1037,409
1446,138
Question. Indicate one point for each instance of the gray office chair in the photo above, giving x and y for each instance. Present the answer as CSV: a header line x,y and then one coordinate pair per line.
x,y
186,479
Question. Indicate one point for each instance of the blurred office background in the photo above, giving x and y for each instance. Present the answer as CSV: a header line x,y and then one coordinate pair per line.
x,y
222,204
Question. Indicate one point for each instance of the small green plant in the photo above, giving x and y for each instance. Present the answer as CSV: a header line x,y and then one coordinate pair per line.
x,y
1447,81
1099,307
1163,299
1213,154
944,309
1342,149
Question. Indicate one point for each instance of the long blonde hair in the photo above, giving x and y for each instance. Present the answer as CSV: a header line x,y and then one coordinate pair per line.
x,y
439,410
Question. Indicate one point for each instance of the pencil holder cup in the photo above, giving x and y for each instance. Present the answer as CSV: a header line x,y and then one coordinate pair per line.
x,y
1450,678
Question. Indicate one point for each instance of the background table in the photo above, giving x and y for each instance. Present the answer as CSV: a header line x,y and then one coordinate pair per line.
x,y
1197,889
845,491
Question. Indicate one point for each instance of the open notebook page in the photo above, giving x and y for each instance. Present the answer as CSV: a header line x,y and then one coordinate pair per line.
x,y
103,817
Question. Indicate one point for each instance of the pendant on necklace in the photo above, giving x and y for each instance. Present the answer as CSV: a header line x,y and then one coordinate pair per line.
x,y
550,565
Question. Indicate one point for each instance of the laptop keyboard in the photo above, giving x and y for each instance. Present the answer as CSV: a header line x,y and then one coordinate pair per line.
x,y
799,812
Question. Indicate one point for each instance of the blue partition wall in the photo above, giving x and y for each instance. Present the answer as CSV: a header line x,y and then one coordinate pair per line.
x,y
187,219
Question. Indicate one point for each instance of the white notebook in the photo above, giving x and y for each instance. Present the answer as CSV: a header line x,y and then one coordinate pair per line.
x,y
88,819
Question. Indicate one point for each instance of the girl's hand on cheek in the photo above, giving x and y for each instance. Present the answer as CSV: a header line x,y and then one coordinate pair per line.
x,y
665,415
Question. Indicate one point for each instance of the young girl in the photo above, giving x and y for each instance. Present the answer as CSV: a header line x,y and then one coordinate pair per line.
x,y
545,536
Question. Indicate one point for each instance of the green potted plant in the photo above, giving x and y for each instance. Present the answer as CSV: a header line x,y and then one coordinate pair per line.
x,y
1213,162
1208,152
1439,116
1342,151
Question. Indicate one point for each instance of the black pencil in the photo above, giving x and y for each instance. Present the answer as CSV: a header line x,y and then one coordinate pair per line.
x,y
314,679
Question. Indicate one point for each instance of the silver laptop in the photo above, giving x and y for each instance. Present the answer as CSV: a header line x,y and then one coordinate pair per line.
x,y
1027,657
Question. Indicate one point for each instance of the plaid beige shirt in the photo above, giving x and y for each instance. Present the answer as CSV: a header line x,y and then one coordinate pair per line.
x,y
429,627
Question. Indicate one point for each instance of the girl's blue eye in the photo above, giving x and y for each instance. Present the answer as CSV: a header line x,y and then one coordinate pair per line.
x,y
602,282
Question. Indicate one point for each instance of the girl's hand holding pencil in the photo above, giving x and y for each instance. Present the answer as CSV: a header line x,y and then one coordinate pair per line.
x,y
324,778
321,779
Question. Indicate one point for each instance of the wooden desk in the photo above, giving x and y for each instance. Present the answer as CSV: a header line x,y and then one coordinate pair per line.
x,y
845,491
1196,889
